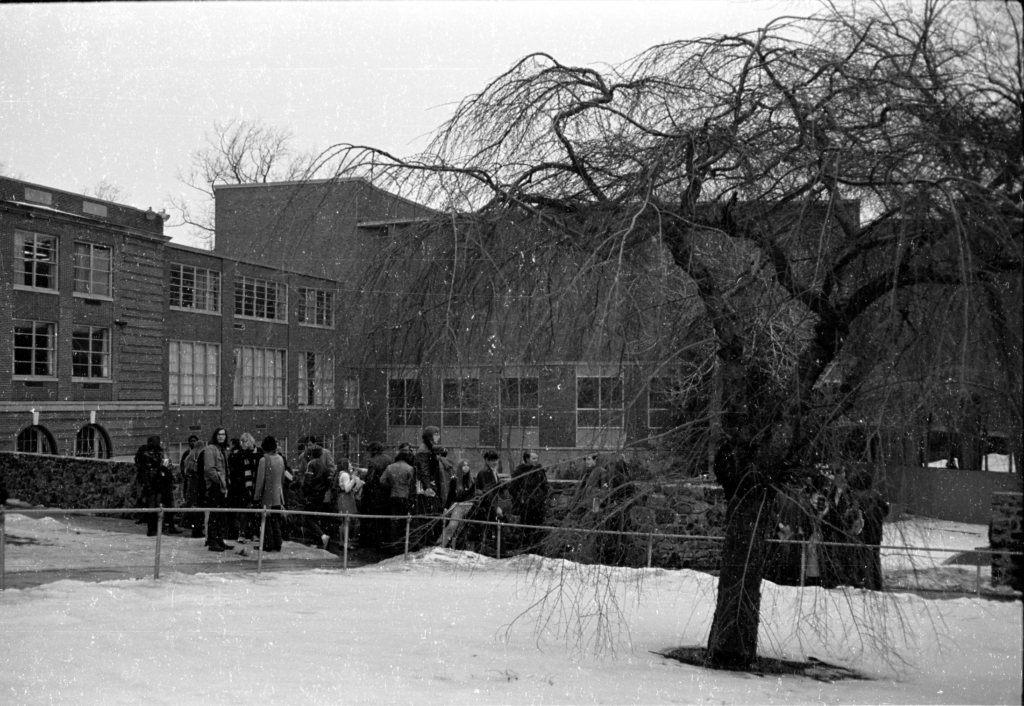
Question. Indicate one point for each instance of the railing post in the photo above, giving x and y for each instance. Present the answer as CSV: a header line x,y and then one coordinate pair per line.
x,y
650,549
408,528
497,546
159,537
803,562
263,534
344,548
977,578
3,544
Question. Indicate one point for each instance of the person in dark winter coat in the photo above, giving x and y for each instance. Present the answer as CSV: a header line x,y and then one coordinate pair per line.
x,y
427,468
268,491
192,486
215,470
398,481
529,490
375,498
151,470
874,510
242,466
316,486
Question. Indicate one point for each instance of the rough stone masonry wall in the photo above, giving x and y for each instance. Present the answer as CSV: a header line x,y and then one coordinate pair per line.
x,y
68,482
1007,534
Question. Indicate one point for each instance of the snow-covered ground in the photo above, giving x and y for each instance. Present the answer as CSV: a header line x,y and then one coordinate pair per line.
x,y
454,627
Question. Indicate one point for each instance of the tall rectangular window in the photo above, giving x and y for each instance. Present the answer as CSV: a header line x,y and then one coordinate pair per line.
x,y
35,256
92,268
316,379
259,377
348,390
598,402
460,402
662,396
194,374
260,299
194,288
405,402
520,401
90,352
316,307
35,349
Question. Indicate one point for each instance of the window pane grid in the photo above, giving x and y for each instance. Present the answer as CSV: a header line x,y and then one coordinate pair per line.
x,y
194,288
598,402
259,377
260,299
193,374
90,352
316,307
37,255
92,269
460,402
405,402
316,380
520,401
35,345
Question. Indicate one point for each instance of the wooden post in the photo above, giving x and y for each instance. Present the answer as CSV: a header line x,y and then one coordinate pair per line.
x,y
977,578
159,536
263,535
498,542
408,528
650,549
344,548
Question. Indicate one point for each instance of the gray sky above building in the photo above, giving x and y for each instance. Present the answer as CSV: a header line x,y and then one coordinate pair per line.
x,y
125,91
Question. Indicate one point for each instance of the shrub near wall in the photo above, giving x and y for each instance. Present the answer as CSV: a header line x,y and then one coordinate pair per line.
x,y
68,482
696,508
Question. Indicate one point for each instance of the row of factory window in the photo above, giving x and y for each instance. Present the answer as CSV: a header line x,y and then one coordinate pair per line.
x,y
191,288
260,380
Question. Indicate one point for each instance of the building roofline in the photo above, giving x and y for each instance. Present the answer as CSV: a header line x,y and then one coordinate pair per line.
x,y
323,182
87,197
31,209
252,262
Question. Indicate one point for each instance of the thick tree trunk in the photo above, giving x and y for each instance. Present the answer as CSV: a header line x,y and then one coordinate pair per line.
x,y
733,640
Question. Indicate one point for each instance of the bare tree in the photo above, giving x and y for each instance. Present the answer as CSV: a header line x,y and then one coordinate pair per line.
x,y
831,207
107,190
235,152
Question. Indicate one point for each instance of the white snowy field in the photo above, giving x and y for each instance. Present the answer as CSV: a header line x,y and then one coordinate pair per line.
x,y
443,628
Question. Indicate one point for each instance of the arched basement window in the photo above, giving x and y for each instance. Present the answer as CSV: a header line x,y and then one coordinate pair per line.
x,y
92,442
36,440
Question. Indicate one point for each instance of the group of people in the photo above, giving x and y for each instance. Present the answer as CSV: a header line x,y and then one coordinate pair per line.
x,y
421,482
832,530
442,495
219,475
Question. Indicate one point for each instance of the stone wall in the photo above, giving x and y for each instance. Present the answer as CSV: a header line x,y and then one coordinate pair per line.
x,y
68,482
1007,534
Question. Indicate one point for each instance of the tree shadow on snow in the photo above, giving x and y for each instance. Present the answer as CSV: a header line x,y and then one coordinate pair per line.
x,y
812,668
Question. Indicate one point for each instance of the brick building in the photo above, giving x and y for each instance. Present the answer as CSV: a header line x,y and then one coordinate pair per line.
x,y
82,321
116,334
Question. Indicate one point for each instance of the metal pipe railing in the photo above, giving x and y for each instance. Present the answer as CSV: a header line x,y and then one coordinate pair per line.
x,y
347,517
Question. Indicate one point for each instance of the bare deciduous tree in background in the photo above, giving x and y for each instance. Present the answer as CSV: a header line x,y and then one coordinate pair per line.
x,y
235,152
107,190
831,207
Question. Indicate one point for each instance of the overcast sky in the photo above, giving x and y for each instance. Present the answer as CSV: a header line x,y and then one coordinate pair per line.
x,y
125,91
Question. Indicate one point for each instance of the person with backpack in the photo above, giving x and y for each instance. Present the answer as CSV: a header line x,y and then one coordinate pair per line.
x,y
215,473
